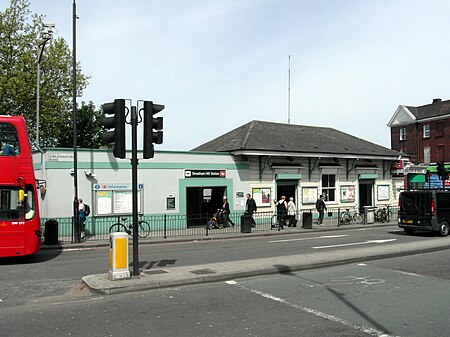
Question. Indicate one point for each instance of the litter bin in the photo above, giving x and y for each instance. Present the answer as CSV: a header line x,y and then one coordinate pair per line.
x,y
307,220
51,232
369,214
246,223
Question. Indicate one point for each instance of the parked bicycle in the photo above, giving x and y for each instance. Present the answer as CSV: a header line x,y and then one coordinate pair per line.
x,y
381,215
348,217
124,227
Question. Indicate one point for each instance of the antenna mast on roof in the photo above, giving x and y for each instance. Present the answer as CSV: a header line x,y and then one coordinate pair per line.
x,y
289,90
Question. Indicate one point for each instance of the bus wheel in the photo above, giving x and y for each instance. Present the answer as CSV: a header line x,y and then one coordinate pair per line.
x,y
443,229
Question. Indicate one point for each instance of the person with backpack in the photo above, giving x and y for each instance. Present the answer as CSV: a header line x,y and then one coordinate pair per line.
x,y
282,208
321,207
83,211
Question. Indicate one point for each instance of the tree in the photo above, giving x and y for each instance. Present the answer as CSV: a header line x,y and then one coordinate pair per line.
x,y
90,122
20,36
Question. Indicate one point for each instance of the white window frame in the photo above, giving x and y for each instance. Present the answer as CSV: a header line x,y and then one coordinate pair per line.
x,y
402,133
426,131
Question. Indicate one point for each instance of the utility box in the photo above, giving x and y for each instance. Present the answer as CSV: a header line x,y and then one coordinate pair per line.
x,y
51,232
307,220
246,223
369,212
118,256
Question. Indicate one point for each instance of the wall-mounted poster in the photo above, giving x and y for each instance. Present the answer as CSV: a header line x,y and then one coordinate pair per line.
x,y
347,193
262,196
309,195
383,192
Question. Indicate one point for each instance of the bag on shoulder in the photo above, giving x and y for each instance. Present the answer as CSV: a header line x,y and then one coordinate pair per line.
x,y
87,210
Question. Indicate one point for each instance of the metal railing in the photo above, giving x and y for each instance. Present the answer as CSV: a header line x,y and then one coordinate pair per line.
x,y
163,226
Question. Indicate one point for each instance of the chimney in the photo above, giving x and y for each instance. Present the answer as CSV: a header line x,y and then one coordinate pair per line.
x,y
437,100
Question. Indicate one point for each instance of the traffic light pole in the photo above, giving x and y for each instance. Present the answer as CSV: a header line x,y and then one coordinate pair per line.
x,y
134,174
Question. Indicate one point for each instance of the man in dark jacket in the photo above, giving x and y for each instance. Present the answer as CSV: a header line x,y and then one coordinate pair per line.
x,y
226,213
250,208
321,207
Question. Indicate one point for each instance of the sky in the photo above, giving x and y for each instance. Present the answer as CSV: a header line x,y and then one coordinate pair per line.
x,y
217,65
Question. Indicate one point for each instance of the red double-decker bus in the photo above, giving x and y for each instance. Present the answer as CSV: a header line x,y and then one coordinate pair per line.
x,y
20,231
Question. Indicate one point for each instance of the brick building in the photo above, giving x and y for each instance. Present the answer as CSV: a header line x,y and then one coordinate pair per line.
x,y
423,132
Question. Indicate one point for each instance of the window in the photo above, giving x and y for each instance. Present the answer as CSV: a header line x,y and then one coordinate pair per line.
x,y
329,187
426,131
426,155
402,133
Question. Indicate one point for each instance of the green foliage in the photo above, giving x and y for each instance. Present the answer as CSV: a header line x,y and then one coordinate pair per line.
x,y
21,39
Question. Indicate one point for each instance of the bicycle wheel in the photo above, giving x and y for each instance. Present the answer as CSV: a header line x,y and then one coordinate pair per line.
x,y
143,229
358,218
118,227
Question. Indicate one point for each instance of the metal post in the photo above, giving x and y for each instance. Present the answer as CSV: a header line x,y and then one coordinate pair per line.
x,y
134,173
76,219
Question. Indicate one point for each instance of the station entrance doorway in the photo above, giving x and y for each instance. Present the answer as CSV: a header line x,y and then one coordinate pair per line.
x,y
365,193
287,188
202,202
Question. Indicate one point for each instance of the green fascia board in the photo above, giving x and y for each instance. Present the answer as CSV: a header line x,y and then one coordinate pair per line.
x,y
368,176
288,176
416,178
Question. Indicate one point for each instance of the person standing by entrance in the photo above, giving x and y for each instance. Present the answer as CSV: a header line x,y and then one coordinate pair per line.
x,y
282,212
250,208
321,207
226,213
291,213
82,217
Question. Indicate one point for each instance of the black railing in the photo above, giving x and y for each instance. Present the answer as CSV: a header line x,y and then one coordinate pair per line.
x,y
164,226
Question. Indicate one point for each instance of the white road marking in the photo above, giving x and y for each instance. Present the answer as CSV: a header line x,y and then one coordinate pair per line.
x,y
332,318
75,249
313,238
355,243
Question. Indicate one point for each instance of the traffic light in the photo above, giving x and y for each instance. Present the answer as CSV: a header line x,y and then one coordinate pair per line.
x,y
114,126
152,128
440,169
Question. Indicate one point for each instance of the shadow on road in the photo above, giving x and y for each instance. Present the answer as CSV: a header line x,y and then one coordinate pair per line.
x,y
286,270
41,256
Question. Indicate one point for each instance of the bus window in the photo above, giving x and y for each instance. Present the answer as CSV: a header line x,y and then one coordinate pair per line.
x,y
11,208
9,143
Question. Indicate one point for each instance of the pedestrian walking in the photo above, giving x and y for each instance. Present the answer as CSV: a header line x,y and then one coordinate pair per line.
x,y
321,207
250,208
226,213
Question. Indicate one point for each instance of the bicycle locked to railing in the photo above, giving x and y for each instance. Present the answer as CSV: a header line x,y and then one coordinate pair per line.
x,y
125,227
383,214
349,217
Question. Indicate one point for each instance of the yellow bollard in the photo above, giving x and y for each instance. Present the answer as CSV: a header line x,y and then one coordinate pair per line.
x,y
118,256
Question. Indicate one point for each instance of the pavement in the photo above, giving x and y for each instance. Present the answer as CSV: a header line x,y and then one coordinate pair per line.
x,y
226,271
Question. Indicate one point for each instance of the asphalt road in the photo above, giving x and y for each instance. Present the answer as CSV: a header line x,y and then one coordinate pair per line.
x,y
402,296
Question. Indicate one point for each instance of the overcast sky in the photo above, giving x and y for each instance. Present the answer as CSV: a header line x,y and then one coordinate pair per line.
x,y
217,64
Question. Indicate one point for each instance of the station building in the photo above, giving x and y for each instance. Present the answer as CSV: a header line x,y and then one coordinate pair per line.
x,y
265,159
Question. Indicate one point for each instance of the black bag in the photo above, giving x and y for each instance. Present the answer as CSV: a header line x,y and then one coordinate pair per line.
x,y
87,210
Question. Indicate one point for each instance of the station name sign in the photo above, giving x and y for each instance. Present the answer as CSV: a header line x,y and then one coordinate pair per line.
x,y
205,173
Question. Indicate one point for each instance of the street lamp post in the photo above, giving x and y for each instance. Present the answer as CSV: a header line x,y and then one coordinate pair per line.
x,y
48,33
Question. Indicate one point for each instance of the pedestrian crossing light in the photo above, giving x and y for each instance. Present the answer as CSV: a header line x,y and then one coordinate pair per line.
x,y
114,126
440,169
152,128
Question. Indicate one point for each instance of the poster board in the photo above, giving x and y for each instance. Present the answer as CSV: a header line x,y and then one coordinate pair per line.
x,y
382,192
347,194
309,195
262,196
